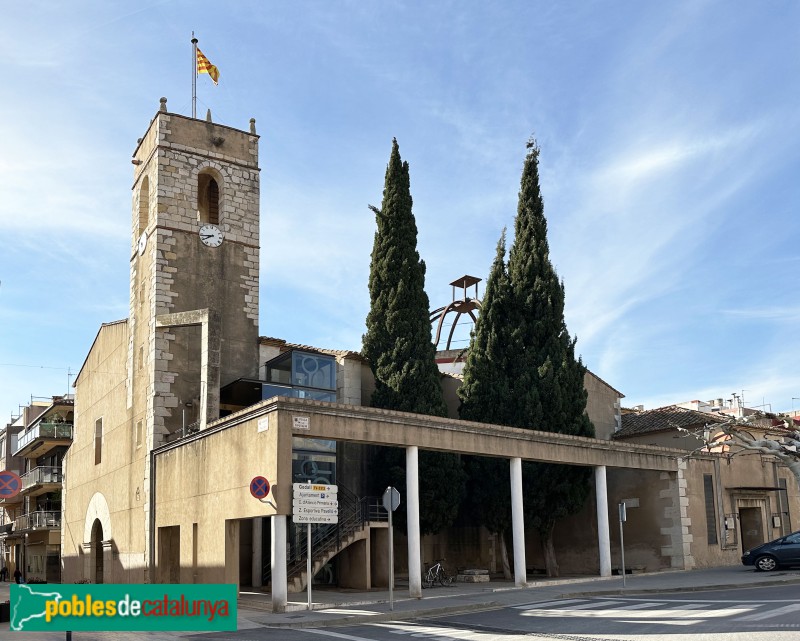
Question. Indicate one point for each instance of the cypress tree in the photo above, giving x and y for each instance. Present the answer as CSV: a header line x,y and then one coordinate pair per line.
x,y
486,397
548,380
400,351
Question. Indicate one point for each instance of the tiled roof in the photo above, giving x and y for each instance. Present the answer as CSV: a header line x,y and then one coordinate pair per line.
x,y
663,419
284,345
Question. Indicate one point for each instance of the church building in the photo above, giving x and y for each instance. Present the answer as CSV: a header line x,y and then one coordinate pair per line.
x,y
179,407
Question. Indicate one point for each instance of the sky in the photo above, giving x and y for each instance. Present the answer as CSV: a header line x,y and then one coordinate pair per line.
x,y
670,164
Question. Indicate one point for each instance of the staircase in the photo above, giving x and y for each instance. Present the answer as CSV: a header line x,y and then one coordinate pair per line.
x,y
355,516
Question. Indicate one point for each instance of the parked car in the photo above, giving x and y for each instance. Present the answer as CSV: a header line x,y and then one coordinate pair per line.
x,y
770,556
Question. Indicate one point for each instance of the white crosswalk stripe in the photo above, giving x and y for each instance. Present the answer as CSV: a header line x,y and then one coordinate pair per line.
x,y
643,611
760,616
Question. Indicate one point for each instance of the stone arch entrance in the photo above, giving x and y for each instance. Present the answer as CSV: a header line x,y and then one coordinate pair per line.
x,y
97,537
97,551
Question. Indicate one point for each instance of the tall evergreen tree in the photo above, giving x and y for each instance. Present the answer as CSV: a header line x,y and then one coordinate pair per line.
x,y
548,380
486,396
400,351
521,370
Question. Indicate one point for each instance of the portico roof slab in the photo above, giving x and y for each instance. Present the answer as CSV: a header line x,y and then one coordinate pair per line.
x,y
385,427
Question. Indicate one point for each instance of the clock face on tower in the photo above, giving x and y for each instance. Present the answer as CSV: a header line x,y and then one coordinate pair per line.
x,y
211,235
142,242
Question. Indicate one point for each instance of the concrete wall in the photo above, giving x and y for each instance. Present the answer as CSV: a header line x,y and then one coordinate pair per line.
x,y
602,406
206,482
113,490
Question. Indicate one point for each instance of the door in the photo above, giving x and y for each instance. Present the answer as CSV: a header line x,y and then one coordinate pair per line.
x,y
751,526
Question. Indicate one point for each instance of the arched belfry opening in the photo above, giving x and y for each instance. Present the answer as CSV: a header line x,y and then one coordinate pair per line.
x,y
460,306
208,200
97,551
144,205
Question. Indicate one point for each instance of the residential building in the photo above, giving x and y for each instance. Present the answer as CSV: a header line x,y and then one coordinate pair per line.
x,y
34,446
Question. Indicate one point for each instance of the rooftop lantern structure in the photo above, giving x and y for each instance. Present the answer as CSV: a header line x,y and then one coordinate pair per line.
x,y
461,306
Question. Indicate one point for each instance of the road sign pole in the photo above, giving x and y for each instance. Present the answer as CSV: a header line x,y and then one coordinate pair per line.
x,y
391,563
622,517
391,499
308,564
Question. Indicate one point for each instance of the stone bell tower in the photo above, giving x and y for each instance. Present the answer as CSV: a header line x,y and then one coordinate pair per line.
x,y
193,272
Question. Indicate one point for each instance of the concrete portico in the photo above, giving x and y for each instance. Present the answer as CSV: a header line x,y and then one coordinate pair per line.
x,y
257,442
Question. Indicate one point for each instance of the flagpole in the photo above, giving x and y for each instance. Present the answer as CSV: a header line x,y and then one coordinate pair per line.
x,y
194,76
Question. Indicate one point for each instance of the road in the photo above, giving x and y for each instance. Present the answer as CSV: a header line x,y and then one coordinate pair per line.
x,y
746,614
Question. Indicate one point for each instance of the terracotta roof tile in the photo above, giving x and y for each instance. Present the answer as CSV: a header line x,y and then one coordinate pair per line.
x,y
663,419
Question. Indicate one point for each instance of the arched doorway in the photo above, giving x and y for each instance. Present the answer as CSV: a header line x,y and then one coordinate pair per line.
x,y
97,550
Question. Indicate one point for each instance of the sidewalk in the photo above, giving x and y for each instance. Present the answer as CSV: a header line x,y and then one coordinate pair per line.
x,y
348,607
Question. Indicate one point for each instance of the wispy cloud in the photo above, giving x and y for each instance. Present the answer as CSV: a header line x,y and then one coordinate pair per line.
x,y
780,314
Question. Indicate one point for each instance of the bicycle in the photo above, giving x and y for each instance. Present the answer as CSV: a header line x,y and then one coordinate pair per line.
x,y
436,574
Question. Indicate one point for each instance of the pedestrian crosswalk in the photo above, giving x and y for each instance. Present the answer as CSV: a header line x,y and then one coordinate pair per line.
x,y
664,612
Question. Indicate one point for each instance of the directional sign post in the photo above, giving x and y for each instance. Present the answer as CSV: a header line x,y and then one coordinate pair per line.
x,y
314,503
391,501
10,484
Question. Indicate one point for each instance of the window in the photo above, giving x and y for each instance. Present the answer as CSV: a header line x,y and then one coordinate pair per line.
x,y
711,513
98,441
144,204
138,433
208,199
141,356
3,448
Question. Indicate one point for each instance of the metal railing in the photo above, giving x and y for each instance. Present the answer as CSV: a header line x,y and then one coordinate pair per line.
x,y
354,513
44,430
38,520
40,476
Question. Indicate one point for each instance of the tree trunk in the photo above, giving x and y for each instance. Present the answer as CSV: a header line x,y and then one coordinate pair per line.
x,y
504,556
550,561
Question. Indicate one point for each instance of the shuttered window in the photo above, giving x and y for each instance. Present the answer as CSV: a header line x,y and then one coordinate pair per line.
x,y
711,512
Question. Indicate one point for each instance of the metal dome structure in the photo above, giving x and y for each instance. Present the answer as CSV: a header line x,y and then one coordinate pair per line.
x,y
464,305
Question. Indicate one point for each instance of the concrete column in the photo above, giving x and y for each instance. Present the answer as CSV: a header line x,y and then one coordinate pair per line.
x,y
603,536
210,368
258,553
278,563
518,523
412,512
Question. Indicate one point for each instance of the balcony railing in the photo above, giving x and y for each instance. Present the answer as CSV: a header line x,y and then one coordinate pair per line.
x,y
38,521
41,476
44,431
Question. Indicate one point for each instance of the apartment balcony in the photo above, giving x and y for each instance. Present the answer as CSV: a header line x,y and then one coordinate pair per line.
x,y
41,480
42,438
38,521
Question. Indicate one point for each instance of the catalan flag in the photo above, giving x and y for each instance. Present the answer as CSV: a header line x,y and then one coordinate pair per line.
x,y
204,66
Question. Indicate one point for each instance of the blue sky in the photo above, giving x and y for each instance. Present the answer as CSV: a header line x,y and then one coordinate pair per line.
x,y
670,137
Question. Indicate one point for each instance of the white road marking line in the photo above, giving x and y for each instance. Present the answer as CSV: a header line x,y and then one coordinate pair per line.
x,y
646,604
547,604
638,614
336,635
445,633
596,604
347,611
663,622
759,616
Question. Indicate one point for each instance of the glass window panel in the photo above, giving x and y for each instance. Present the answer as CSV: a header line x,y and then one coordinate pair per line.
x,y
313,467
313,445
279,370
313,370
